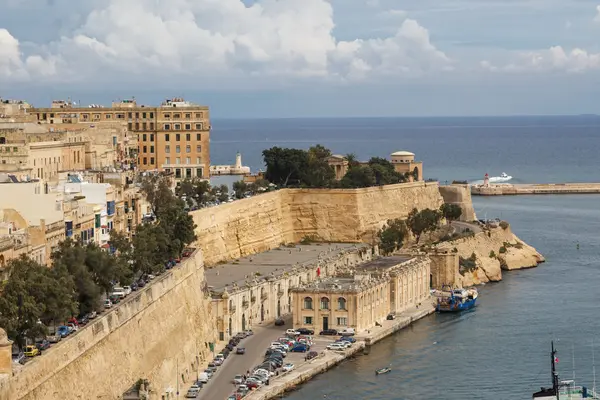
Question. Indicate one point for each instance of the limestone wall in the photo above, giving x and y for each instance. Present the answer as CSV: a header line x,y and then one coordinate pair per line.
x,y
152,335
265,221
518,255
461,196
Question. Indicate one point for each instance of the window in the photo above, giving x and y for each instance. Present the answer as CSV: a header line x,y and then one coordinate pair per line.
x,y
145,149
129,126
308,321
198,149
178,173
167,149
199,127
151,149
188,127
177,149
188,149
198,115
151,160
176,115
144,137
152,137
308,303
178,137
167,138
188,160
151,126
324,303
137,126
341,303
177,127
108,116
188,137
198,136
342,321
143,115
167,160
143,126
177,160
199,172
129,115
167,127
188,116
167,115
151,115
137,114
188,172
145,161
198,160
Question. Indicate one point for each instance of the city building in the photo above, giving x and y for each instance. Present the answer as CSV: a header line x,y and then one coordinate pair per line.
x,y
404,163
257,289
339,164
173,137
363,298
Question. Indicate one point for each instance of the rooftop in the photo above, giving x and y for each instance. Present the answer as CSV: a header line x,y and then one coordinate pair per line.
x,y
403,153
383,263
277,261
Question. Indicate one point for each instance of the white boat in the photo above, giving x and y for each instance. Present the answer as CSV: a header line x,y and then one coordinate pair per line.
x,y
504,177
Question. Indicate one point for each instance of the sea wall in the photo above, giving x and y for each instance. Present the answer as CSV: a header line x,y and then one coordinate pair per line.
x,y
459,195
509,189
265,221
157,331
495,249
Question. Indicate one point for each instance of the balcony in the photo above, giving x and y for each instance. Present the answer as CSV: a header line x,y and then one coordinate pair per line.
x,y
253,299
245,304
264,296
232,310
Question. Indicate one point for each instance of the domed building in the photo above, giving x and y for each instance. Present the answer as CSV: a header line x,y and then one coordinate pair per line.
x,y
404,162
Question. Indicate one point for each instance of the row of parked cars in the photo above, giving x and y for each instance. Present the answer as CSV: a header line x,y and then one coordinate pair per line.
x,y
204,377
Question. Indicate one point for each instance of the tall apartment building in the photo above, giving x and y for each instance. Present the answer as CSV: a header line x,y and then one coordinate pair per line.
x,y
174,137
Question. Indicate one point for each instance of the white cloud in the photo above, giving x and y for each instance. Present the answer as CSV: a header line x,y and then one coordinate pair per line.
x,y
214,38
597,17
552,59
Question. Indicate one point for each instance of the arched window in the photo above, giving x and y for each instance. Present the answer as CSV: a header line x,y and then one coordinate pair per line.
x,y
341,303
230,304
324,303
308,303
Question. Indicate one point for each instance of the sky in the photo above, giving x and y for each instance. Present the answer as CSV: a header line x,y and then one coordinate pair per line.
x,y
308,58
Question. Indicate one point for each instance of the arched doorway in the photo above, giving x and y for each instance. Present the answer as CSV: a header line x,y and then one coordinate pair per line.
x,y
243,322
262,313
278,308
230,327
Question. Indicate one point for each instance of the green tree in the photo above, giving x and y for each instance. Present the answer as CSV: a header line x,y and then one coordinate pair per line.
x,y
157,190
423,221
319,173
384,172
285,166
352,160
391,237
240,188
358,177
151,248
451,212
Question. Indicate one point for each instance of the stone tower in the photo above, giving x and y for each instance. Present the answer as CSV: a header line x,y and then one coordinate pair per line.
x,y
486,180
238,160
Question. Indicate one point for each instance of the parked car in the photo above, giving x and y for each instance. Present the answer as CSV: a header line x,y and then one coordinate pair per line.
x,y
209,373
347,332
217,362
344,343
54,338
203,377
83,320
108,303
391,316
240,350
300,348
141,283
92,315
42,344
63,331
279,322
292,332
328,332
238,379
73,327
18,357
348,339
127,290
336,346
31,351
287,367
311,354
253,383
249,332
192,392
114,298
304,331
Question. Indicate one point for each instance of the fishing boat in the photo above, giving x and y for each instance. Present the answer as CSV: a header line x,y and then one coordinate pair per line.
x,y
384,370
563,390
504,177
455,300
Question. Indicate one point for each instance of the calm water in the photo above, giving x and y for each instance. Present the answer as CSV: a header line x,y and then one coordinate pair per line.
x,y
499,350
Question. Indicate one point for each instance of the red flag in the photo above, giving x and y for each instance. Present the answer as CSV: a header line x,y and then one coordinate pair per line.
x,y
318,271
556,359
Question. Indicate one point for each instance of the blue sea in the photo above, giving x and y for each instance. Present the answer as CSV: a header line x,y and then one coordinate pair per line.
x,y
500,350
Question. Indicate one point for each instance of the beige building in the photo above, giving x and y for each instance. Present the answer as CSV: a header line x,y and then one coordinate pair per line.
x,y
174,137
257,289
374,290
339,164
404,163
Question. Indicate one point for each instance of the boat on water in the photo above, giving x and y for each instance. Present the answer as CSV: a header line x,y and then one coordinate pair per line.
x,y
563,390
384,370
455,300
504,177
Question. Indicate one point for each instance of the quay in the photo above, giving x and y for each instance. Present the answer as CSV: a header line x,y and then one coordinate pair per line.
x,y
327,359
507,189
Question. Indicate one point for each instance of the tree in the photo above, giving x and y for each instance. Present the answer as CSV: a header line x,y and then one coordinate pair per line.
x,y
151,248
352,160
318,173
285,165
220,193
27,297
157,190
423,221
451,212
240,188
391,237
384,172
358,177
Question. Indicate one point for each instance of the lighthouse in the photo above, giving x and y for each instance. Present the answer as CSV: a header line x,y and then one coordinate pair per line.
x,y
486,180
238,161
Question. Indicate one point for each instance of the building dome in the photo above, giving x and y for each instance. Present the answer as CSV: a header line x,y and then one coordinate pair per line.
x,y
402,154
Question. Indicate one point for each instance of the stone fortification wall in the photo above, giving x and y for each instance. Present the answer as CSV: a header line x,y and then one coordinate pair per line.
x,y
518,255
461,196
152,334
339,215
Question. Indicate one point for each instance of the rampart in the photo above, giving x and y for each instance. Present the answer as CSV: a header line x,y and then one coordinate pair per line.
x,y
156,332
266,221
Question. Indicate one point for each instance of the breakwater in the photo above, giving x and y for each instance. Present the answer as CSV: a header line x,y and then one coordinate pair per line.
x,y
507,189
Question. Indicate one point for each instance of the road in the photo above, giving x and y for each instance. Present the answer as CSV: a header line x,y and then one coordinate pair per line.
x,y
464,225
220,385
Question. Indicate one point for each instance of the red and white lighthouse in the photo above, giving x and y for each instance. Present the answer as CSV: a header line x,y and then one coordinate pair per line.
x,y
486,180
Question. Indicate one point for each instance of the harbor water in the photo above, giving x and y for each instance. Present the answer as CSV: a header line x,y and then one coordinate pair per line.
x,y
499,350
